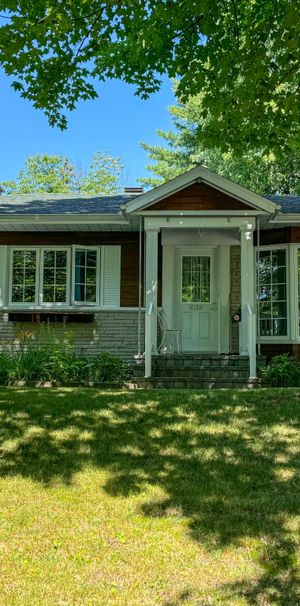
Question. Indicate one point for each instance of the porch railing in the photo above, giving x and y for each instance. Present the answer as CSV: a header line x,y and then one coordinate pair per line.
x,y
148,340
251,340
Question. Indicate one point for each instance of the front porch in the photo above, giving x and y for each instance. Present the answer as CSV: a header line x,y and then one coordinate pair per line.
x,y
196,287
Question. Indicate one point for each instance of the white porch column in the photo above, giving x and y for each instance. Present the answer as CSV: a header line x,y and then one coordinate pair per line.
x,y
247,284
151,253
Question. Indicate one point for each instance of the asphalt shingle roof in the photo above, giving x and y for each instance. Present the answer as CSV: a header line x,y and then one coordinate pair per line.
x,y
67,204
289,204
57,204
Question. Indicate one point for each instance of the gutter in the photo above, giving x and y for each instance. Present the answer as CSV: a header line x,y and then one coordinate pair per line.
x,y
64,219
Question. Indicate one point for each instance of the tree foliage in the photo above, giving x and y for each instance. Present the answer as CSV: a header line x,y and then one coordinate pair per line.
x,y
56,174
242,54
182,150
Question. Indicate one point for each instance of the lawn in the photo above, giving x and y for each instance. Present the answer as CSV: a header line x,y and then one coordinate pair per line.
x,y
157,498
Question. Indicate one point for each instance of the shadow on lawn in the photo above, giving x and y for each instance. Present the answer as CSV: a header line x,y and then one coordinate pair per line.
x,y
214,455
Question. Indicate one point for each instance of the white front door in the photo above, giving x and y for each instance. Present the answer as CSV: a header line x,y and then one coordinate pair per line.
x,y
196,298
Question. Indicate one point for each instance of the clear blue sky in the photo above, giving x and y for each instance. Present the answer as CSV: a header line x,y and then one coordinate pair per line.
x,y
116,122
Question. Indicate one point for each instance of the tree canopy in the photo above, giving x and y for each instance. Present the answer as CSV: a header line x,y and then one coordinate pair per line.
x,y
181,150
56,174
242,55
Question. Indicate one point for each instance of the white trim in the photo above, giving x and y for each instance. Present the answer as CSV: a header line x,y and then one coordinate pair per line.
x,y
200,174
181,222
286,218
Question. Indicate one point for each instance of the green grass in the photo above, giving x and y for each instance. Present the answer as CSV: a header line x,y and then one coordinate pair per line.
x,y
150,498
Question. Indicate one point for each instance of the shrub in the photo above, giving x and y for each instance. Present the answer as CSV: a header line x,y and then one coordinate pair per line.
x,y
58,362
283,371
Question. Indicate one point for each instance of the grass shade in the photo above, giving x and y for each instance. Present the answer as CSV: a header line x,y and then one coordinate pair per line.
x,y
155,498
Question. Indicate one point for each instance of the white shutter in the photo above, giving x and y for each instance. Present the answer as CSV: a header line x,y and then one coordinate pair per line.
x,y
3,276
111,275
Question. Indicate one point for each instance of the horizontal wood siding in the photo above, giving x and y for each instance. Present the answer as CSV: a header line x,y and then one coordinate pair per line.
x,y
199,197
282,235
128,241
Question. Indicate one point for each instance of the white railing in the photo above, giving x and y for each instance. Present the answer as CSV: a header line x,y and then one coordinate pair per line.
x,y
148,341
251,340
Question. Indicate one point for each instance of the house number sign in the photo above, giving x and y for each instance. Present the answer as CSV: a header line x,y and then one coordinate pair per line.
x,y
195,306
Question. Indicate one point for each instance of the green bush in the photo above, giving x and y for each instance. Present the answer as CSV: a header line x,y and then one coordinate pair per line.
x,y
59,363
283,371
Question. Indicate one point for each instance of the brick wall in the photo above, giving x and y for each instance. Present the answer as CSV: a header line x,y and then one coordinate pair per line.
x,y
112,331
235,294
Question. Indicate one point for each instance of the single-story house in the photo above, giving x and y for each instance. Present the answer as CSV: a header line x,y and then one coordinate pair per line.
x,y
107,265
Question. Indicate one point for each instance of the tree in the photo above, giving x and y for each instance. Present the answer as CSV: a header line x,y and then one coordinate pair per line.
x,y
181,150
243,55
56,174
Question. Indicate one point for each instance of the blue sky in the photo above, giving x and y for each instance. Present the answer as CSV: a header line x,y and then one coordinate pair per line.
x,y
116,122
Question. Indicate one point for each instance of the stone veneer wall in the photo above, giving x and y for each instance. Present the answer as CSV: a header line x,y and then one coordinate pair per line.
x,y
235,294
112,331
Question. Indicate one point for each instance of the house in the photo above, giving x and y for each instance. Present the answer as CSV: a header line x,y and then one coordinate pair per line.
x,y
105,265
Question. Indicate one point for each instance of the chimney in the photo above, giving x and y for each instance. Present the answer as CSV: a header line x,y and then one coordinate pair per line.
x,y
133,190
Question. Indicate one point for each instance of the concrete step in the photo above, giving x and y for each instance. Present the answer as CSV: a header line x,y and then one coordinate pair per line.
x,y
200,372
189,383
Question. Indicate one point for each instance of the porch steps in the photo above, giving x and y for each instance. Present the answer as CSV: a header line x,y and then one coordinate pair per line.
x,y
197,371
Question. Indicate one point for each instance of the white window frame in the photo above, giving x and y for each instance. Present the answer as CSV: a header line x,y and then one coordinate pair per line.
x,y
23,305
41,277
70,304
295,283
276,338
75,303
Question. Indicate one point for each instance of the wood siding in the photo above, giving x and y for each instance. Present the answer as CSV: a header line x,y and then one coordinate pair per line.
x,y
199,197
282,235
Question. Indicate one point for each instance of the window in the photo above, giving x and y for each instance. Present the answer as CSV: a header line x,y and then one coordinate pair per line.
x,y
272,297
86,271
60,276
195,279
54,281
24,268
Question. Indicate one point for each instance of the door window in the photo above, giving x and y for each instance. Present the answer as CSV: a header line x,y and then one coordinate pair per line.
x,y
195,274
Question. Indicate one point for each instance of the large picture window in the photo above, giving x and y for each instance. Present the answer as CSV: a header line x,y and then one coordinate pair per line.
x,y
272,296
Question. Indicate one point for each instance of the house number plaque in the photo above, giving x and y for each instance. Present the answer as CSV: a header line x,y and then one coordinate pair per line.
x,y
195,306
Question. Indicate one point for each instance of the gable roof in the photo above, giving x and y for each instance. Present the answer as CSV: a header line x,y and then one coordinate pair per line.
x,y
201,175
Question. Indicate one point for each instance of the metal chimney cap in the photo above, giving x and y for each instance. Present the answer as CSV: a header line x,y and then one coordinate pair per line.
x,y
133,190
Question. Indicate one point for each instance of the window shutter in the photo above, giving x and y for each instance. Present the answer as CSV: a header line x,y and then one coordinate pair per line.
x,y
111,271
3,276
